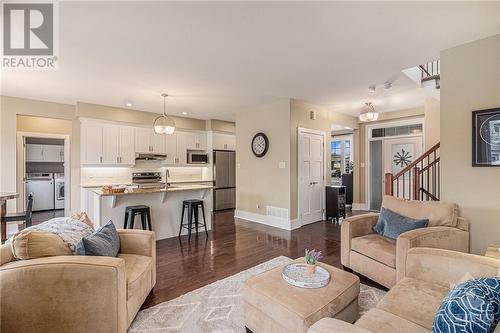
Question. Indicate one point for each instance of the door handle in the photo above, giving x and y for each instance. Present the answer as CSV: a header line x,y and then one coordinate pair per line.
x,y
100,159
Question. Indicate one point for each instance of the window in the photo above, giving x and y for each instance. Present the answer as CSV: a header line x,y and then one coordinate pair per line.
x,y
396,130
336,147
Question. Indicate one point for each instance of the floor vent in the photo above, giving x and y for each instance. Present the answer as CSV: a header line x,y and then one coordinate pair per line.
x,y
277,212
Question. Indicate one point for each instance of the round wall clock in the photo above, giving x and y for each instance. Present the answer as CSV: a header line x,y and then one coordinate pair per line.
x,y
260,144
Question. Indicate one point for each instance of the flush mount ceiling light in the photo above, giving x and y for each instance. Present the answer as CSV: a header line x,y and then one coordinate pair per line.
x,y
164,124
372,88
368,113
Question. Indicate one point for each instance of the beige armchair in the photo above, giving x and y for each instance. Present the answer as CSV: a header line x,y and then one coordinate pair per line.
x,y
383,260
411,305
78,293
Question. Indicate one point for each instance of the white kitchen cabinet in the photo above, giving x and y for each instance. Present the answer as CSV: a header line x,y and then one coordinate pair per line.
x,y
34,153
44,153
176,148
107,144
110,144
222,141
142,141
127,142
158,143
196,140
171,148
53,153
91,143
181,151
147,141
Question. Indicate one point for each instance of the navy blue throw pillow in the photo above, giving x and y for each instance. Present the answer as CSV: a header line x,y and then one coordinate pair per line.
x,y
103,242
391,224
470,307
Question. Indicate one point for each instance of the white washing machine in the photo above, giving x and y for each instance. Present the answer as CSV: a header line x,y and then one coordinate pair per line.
x,y
42,187
59,191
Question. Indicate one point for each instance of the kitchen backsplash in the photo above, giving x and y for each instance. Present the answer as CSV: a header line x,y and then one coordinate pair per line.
x,y
122,175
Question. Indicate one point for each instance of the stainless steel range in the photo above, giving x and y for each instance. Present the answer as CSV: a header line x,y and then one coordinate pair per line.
x,y
147,180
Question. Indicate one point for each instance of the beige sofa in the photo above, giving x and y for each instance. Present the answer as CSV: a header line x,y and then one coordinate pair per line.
x,y
410,306
77,293
383,260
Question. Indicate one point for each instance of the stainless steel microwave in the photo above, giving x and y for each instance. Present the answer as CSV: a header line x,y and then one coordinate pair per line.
x,y
197,157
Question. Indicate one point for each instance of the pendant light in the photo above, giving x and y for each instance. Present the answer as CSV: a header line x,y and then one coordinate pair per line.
x,y
368,113
164,124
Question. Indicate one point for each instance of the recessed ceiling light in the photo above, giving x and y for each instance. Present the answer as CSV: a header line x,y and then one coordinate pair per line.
x,y
184,113
372,88
129,104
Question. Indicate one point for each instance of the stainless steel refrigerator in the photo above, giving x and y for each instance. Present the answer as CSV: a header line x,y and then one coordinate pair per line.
x,y
224,170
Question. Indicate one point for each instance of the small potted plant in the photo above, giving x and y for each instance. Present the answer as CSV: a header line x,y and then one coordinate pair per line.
x,y
312,257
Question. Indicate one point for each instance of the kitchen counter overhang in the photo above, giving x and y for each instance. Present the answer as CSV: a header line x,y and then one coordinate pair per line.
x,y
162,191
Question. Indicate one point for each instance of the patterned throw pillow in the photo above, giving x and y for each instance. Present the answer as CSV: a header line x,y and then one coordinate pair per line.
x,y
471,307
104,242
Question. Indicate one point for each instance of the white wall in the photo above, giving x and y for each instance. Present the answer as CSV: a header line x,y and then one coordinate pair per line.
x,y
470,80
260,181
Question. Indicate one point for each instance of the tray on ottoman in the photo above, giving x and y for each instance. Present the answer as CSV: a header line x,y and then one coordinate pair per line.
x,y
270,304
297,275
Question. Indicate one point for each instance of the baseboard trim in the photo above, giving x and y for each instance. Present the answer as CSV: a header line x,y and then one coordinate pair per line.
x,y
359,206
267,220
295,224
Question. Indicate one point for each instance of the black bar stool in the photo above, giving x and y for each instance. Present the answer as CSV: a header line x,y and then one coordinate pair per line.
x,y
132,211
192,207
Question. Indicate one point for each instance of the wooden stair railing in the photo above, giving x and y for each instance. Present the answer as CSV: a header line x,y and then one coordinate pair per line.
x,y
419,180
430,71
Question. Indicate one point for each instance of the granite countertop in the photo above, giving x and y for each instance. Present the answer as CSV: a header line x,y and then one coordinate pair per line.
x,y
157,190
8,195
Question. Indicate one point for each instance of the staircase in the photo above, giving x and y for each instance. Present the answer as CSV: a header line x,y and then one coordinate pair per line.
x,y
430,72
427,76
420,180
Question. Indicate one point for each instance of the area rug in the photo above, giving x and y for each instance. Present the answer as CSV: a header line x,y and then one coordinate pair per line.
x,y
217,307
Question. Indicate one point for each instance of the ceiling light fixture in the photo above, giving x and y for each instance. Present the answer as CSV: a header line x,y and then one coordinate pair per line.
x,y
372,88
387,85
164,124
368,113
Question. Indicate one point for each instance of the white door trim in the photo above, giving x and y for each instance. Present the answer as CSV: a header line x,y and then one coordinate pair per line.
x,y
301,130
368,138
67,165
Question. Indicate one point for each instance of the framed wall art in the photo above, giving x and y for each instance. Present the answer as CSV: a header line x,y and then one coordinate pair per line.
x,y
486,138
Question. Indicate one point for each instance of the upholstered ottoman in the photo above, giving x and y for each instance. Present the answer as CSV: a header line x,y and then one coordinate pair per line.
x,y
272,305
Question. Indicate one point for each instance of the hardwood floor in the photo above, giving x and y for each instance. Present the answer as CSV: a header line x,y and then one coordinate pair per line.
x,y
42,216
233,246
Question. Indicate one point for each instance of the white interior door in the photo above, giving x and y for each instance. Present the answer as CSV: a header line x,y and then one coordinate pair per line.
x,y
311,176
398,154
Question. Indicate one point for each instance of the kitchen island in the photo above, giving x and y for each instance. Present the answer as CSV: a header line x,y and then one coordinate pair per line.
x,y
165,205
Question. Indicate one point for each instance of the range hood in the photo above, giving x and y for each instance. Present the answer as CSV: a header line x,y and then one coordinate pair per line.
x,y
149,157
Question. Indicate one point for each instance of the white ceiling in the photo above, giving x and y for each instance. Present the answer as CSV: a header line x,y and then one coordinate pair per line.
x,y
215,59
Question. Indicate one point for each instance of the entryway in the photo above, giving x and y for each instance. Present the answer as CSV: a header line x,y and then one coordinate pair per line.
x,y
44,168
311,175
390,148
